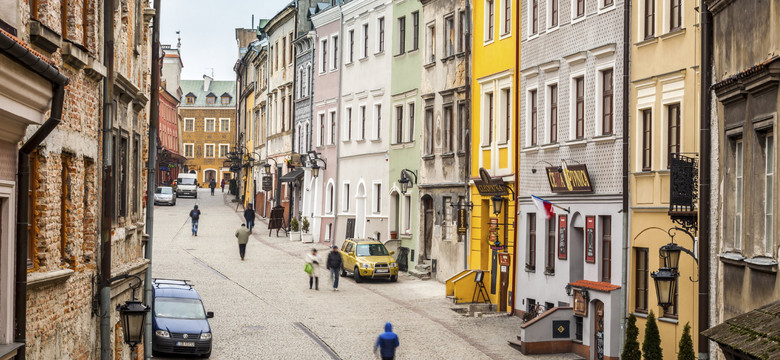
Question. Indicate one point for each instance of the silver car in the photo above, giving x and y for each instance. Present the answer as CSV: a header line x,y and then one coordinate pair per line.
x,y
164,195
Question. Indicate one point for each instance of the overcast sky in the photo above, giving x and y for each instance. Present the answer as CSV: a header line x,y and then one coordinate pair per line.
x,y
208,35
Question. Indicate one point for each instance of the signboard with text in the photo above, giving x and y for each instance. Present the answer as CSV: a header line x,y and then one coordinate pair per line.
x,y
267,183
462,222
489,186
571,179
563,238
590,239
493,230
580,304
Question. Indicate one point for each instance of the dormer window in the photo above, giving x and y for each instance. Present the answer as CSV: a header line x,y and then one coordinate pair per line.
x,y
211,99
190,99
225,100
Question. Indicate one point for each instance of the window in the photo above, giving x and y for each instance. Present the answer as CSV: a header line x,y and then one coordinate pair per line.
x,y
534,124
448,129
345,198
446,222
673,131
399,124
190,100
321,141
189,125
401,34
208,150
210,125
671,310
411,123
578,328
461,31
224,125
553,113
408,214
642,280
534,17
189,150
606,248
431,43
365,41
225,100
553,11
223,150
769,175
551,248
579,101
377,121
347,132
415,30
647,139
738,192
487,130
675,16
282,117
608,2
211,100
323,55
449,28
381,26
606,102
429,131
329,203
462,126
505,116
335,60
507,8
490,18
351,45
580,8
377,198
332,135
530,263
649,19
362,122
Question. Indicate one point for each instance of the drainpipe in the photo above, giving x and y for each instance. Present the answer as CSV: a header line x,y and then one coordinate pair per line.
x,y
467,167
338,143
107,182
625,205
704,179
516,160
154,119
58,80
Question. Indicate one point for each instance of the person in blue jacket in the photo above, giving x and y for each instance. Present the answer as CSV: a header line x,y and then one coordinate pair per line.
x,y
387,342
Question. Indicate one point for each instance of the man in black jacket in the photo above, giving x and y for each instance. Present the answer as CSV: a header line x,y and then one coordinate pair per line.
x,y
334,264
195,216
249,215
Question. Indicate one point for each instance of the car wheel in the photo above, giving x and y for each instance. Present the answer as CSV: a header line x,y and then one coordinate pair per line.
x,y
356,275
206,355
343,272
394,278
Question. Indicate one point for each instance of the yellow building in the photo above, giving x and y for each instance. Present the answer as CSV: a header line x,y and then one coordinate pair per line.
x,y
664,120
493,146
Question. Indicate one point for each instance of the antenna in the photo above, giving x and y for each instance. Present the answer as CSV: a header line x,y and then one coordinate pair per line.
x,y
212,72
178,34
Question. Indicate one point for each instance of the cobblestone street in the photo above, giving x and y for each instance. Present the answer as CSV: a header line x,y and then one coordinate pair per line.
x,y
264,308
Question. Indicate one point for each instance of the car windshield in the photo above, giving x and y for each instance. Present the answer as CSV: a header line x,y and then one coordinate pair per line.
x,y
163,190
186,181
371,250
178,308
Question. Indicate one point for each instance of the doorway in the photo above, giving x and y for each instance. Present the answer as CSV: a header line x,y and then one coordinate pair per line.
x,y
209,175
598,330
427,201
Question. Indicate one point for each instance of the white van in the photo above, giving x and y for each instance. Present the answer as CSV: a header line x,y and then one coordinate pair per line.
x,y
187,185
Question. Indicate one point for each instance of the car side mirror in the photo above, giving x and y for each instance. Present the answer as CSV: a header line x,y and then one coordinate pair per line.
x,y
392,252
209,314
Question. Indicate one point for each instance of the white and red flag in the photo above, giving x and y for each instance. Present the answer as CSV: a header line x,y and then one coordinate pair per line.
x,y
544,206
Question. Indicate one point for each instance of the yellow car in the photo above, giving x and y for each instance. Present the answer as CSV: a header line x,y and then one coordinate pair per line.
x,y
366,258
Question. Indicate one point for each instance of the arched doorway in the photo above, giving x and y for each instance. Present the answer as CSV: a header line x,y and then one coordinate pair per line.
x,y
598,330
427,203
360,211
208,175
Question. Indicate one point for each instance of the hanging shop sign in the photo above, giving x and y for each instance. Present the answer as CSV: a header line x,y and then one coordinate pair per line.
x,y
563,239
462,222
493,230
490,186
295,160
571,179
590,239
267,183
580,303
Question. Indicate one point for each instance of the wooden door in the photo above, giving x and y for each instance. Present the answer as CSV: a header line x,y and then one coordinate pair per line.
x,y
598,330
428,227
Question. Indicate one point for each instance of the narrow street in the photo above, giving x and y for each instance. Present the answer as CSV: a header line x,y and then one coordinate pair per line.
x,y
264,308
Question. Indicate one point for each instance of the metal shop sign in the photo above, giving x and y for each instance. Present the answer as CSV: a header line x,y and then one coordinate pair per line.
x,y
489,186
580,303
562,236
295,160
267,183
590,239
572,179
462,222
493,230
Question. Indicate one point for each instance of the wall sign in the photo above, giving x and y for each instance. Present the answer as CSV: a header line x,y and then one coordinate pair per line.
x,y
560,329
580,304
492,230
573,179
563,238
489,186
462,222
267,183
590,239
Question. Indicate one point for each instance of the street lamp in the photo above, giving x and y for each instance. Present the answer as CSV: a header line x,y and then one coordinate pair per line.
x,y
665,283
498,204
315,168
670,253
133,314
405,181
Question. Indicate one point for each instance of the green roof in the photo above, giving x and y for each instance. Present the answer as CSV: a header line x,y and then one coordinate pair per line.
x,y
217,87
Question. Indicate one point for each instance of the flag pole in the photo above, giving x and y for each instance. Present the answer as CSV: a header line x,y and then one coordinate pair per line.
x,y
553,204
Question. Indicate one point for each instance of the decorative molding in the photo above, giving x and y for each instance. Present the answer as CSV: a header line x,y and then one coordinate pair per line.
x,y
550,66
43,37
603,51
576,58
74,56
41,279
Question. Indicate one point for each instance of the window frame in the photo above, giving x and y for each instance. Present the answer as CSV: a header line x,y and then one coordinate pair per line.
x,y
401,35
647,139
533,117
768,152
191,121
607,95
376,201
399,123
606,249
553,13
191,146
489,26
448,114
429,124
552,112
449,33
415,30
213,125
206,150
675,20
579,107
221,122
380,24
648,19
530,263
739,195
673,128
550,248
641,280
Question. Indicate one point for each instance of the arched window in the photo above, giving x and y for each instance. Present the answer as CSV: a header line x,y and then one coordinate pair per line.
x,y
330,198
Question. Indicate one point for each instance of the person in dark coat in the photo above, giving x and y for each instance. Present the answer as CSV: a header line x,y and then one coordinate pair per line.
x,y
387,342
334,264
249,215
222,185
195,216
212,186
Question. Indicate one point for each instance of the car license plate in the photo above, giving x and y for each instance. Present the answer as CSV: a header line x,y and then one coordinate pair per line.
x,y
185,343
382,271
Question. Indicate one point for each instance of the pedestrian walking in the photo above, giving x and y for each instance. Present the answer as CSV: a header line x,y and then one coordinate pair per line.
x,y
313,263
195,216
243,237
249,215
386,343
212,186
222,184
334,264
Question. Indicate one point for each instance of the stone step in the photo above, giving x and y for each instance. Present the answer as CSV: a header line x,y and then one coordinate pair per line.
x,y
422,275
517,344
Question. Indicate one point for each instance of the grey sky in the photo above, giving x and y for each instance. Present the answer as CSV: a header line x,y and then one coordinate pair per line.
x,y
208,37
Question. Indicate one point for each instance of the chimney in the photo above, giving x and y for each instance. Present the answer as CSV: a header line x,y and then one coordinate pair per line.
x,y
206,82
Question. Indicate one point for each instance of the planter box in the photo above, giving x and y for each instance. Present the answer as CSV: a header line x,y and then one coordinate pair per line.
x,y
295,236
307,237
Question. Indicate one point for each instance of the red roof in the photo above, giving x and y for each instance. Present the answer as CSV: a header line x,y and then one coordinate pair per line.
x,y
595,285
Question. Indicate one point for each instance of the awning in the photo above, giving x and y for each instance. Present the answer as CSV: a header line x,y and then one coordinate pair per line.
x,y
752,335
294,175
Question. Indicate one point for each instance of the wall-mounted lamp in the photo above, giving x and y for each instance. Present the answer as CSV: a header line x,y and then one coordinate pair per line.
x,y
406,181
